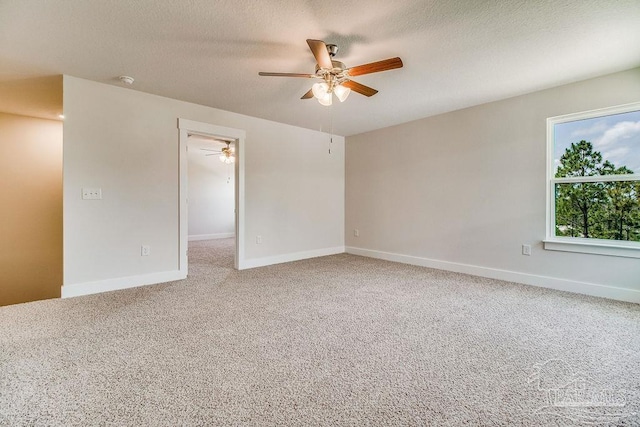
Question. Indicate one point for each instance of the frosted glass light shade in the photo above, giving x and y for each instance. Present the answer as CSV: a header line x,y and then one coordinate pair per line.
x,y
326,100
227,159
342,92
320,90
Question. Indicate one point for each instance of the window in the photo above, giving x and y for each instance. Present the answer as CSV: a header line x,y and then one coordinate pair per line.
x,y
593,170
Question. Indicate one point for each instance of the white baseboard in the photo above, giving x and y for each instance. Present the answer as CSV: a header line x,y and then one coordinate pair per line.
x,y
78,289
620,294
296,256
210,236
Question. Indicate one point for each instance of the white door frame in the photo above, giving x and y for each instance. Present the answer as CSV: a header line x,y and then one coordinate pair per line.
x,y
206,129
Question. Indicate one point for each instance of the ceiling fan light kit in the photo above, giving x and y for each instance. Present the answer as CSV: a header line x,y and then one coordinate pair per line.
x,y
336,78
322,94
227,154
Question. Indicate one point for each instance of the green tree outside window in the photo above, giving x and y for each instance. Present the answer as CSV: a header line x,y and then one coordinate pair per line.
x,y
600,210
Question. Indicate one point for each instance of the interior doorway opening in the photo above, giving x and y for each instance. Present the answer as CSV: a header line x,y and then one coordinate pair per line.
x,y
204,159
211,197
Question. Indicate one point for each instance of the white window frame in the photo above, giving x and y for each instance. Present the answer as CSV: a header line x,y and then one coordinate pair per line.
x,y
552,242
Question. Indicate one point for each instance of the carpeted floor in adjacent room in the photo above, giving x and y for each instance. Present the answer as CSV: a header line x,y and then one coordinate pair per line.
x,y
338,340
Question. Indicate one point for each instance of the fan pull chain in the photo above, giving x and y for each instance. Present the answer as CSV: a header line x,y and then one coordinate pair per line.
x,y
331,121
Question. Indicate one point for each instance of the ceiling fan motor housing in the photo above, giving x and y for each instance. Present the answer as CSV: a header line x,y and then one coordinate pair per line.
x,y
338,67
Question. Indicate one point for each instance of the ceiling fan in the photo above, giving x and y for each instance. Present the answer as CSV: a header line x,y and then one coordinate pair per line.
x,y
335,76
226,154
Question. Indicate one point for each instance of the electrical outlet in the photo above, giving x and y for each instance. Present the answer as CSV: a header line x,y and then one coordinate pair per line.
x,y
145,250
92,193
356,232
258,240
526,249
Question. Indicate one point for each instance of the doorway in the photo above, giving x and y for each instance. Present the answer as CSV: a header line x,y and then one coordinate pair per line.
x,y
202,138
210,199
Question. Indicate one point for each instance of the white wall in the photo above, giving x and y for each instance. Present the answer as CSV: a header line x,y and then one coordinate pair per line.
x,y
464,190
126,142
211,193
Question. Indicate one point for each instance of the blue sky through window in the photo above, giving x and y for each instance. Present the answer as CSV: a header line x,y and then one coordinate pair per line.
x,y
616,137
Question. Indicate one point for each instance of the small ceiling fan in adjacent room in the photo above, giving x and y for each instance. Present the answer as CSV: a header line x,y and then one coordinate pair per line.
x,y
225,154
335,76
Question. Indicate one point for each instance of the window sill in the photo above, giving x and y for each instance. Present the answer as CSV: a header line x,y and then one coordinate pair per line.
x,y
594,246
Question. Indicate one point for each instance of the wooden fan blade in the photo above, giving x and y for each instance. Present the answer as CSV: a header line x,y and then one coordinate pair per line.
x,y
361,89
375,67
262,73
308,95
319,50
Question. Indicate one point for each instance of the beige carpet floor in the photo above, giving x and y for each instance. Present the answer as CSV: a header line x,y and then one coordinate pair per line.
x,y
338,340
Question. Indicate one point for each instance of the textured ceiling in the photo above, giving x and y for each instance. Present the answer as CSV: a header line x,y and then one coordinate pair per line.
x,y
456,53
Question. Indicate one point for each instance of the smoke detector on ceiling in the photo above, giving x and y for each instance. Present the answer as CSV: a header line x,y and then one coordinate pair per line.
x,y
126,80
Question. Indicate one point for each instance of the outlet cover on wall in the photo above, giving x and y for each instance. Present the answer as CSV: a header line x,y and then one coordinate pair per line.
x,y
258,240
526,249
145,250
91,193
356,232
